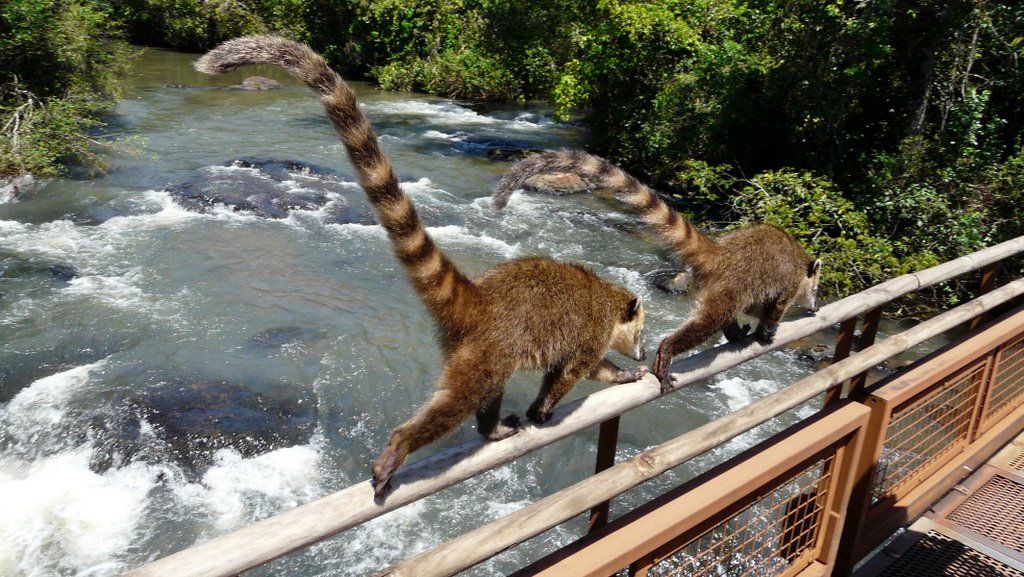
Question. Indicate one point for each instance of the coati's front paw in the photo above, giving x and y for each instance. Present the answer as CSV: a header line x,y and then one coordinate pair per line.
x,y
383,468
660,369
734,332
638,373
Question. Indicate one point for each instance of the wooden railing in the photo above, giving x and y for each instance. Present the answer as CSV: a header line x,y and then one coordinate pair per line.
x,y
297,528
780,508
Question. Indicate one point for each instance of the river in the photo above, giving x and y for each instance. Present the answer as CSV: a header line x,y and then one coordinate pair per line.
x,y
173,369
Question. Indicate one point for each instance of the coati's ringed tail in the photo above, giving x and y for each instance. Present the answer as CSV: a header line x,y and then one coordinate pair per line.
x,y
525,313
759,269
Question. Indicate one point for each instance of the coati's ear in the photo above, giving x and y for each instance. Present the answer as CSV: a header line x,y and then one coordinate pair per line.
x,y
635,306
813,268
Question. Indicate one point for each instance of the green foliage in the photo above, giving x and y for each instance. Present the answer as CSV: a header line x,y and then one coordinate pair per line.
x,y
196,24
60,68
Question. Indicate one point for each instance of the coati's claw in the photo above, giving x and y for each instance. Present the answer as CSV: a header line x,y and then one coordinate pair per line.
x,y
380,490
666,384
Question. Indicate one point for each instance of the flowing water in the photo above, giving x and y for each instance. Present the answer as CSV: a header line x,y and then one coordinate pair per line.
x,y
174,368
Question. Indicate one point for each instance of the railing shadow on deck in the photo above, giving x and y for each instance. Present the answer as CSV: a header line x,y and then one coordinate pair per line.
x,y
261,542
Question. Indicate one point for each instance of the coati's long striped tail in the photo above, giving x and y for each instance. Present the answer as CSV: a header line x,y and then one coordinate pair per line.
x,y
435,277
677,231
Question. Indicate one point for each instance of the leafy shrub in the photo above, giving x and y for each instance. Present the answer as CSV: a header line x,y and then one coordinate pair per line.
x,y
61,68
467,73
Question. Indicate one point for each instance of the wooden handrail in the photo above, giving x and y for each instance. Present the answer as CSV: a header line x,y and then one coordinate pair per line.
x,y
261,542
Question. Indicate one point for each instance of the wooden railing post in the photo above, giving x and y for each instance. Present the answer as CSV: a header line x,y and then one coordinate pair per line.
x,y
868,332
844,345
607,441
988,282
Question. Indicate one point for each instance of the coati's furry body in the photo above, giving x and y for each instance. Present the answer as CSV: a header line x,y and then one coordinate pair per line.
x,y
758,270
526,313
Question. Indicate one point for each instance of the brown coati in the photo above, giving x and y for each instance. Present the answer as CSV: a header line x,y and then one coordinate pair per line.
x,y
525,313
759,269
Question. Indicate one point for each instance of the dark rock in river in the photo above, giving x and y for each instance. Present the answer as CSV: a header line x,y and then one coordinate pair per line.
x,y
670,280
493,148
257,83
273,189
197,419
63,272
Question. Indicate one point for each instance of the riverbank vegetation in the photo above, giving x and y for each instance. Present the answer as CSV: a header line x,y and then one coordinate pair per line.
x,y
887,137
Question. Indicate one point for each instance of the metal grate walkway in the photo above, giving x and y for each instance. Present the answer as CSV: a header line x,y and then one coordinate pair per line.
x,y
977,530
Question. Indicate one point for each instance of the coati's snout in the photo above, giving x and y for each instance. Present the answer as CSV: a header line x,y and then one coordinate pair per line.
x,y
808,294
627,336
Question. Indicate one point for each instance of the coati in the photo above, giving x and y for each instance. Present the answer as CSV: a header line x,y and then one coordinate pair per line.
x,y
759,269
526,313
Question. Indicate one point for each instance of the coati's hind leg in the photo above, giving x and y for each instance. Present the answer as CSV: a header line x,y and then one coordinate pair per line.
x,y
461,392
734,332
489,422
770,318
557,382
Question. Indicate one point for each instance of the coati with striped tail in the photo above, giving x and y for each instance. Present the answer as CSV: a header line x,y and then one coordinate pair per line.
x,y
758,270
525,313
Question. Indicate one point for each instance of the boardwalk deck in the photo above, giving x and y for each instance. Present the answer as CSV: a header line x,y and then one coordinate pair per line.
x,y
977,530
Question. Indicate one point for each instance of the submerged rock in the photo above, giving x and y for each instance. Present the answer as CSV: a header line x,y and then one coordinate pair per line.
x,y
273,189
63,272
670,280
197,419
257,83
493,148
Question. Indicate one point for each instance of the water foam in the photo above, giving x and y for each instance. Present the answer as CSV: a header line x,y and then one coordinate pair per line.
x,y
236,490
460,235
44,402
450,113
631,279
740,392
61,517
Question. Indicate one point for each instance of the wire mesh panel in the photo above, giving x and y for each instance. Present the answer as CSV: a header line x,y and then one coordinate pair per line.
x,y
765,539
927,433
1006,391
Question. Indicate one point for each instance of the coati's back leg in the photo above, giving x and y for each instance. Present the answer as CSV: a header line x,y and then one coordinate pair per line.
x,y
558,381
770,317
489,422
734,332
454,400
